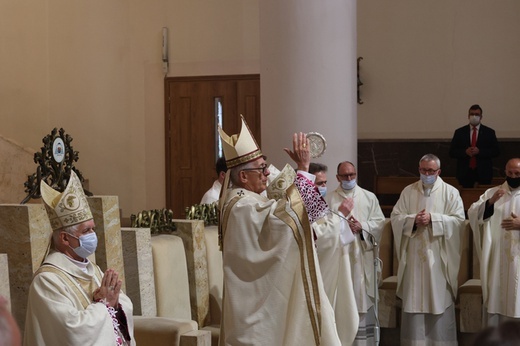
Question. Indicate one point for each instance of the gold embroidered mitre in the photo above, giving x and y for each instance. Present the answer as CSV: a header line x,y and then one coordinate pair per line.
x,y
279,182
241,148
67,208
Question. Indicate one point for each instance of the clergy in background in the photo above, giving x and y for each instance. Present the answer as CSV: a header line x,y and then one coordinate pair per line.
x,y
496,228
427,223
366,220
71,302
273,292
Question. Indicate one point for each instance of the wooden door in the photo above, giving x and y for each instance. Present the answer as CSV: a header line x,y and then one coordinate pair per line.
x,y
192,104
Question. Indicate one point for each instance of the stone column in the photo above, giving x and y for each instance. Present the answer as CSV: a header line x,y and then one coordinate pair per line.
x,y
25,234
5,290
109,253
309,76
192,234
139,273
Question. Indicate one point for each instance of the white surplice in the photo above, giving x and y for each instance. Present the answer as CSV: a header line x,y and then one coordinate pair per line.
x,y
498,251
212,194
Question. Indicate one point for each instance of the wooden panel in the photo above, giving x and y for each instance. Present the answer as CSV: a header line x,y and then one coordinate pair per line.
x,y
191,137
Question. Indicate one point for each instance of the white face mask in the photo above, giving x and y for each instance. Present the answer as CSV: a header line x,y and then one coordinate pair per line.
x,y
428,179
474,120
322,190
348,184
87,245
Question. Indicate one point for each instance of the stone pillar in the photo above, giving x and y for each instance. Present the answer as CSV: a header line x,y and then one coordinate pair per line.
x,y
309,76
139,273
25,234
109,253
192,234
5,290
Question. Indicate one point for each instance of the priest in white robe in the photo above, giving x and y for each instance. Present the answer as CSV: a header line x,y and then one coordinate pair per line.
x,y
333,238
273,292
495,222
366,220
71,302
427,223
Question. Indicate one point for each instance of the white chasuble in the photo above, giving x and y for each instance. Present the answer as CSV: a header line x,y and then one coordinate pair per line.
x,y
498,251
429,257
368,212
56,314
273,291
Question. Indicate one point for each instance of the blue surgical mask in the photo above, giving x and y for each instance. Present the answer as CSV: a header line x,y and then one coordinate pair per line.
x,y
87,244
428,179
348,184
322,190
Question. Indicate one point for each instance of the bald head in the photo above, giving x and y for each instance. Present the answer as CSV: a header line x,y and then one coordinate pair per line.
x,y
513,168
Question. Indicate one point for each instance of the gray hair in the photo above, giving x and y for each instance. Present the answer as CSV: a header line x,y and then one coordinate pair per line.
x,y
431,157
69,230
235,171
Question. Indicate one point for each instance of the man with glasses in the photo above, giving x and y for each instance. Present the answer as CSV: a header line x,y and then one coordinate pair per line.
x,y
496,228
474,146
365,219
273,292
427,223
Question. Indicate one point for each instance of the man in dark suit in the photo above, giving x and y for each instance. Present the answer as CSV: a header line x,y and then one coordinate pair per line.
x,y
474,146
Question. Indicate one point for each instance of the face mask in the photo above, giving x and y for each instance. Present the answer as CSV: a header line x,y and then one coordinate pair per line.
x,y
474,120
513,182
428,179
322,190
348,184
87,244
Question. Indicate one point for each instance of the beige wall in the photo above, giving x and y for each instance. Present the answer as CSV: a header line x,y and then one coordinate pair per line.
x,y
94,68
425,62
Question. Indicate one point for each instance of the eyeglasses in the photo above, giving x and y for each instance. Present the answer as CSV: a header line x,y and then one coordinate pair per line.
x,y
261,168
428,171
347,176
477,114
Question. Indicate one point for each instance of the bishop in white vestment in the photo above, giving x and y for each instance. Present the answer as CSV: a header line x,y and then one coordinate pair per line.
x,y
273,292
71,302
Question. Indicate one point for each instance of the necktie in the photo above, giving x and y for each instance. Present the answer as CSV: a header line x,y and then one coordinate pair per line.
x,y
473,160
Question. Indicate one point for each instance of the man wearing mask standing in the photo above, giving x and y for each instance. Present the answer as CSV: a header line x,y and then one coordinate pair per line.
x,y
365,219
474,146
319,170
71,302
427,222
495,222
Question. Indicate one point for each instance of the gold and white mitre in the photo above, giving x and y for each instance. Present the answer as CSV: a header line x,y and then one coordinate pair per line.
x,y
67,208
279,181
241,148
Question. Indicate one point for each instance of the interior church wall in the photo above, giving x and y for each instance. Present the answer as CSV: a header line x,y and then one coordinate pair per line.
x,y
94,68
426,62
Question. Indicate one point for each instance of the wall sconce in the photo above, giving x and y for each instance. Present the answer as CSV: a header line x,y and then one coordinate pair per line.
x,y
165,61
359,82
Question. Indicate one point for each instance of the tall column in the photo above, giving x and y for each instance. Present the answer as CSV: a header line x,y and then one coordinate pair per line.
x,y
308,77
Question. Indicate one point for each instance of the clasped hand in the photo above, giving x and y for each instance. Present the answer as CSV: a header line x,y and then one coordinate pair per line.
x,y
422,218
472,151
109,289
